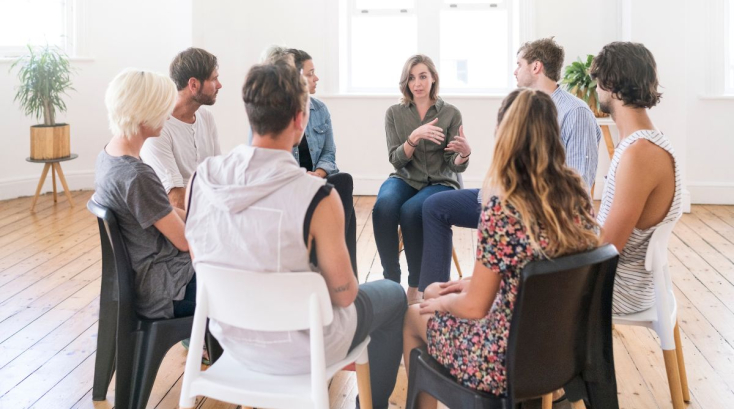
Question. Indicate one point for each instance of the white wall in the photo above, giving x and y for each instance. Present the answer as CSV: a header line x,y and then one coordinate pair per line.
x,y
237,32
133,33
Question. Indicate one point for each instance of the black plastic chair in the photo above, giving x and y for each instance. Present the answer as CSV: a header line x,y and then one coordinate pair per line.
x,y
560,336
134,345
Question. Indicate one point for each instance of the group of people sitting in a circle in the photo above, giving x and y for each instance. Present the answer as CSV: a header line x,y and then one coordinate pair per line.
x,y
281,204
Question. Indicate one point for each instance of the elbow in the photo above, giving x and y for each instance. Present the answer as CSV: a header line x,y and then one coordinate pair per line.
x,y
345,300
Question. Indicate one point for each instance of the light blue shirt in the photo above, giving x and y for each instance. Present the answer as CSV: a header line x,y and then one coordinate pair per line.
x,y
580,134
320,138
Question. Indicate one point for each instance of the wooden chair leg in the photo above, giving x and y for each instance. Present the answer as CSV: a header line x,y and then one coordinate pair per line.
x,y
456,262
40,185
671,368
681,365
63,183
364,386
547,402
53,180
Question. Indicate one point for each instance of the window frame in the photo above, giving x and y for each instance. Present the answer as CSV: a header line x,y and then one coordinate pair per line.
x,y
74,32
427,12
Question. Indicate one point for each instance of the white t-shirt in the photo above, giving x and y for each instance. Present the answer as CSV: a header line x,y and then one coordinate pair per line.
x,y
181,147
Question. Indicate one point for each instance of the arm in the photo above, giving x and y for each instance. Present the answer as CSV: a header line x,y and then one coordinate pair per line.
x,y
172,226
477,299
176,197
580,136
158,153
327,230
326,162
457,147
635,180
400,150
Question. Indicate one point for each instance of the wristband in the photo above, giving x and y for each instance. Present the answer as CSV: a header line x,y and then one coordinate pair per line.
x,y
408,140
464,157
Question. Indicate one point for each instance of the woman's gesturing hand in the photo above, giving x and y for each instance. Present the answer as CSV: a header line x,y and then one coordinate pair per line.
x,y
429,132
459,144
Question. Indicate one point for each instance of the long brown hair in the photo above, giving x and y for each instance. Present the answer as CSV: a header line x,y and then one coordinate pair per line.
x,y
529,173
405,76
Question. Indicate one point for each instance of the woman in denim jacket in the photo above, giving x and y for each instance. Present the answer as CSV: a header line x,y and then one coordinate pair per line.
x,y
317,152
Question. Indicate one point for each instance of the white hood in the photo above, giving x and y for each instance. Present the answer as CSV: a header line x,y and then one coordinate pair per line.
x,y
215,176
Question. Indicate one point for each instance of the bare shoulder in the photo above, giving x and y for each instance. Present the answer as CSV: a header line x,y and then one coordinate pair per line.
x,y
647,156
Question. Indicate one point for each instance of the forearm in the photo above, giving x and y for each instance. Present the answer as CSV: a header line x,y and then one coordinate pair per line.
x,y
177,197
460,306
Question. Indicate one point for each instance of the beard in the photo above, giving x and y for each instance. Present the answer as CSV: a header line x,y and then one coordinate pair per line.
x,y
605,107
205,99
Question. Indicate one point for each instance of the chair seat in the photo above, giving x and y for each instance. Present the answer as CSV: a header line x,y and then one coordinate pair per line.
x,y
643,318
230,381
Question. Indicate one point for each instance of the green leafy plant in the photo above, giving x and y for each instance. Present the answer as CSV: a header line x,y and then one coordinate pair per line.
x,y
44,75
578,81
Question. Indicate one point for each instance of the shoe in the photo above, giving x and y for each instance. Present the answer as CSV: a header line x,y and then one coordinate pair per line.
x,y
204,353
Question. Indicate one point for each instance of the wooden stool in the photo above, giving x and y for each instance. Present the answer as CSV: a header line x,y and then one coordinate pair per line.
x,y
608,141
55,166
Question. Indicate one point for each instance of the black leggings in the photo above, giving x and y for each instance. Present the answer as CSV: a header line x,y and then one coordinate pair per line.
x,y
344,186
186,306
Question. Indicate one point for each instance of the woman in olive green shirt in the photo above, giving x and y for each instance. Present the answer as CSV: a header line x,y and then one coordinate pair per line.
x,y
427,148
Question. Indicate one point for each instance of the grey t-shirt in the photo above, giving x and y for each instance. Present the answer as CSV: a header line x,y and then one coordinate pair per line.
x,y
133,192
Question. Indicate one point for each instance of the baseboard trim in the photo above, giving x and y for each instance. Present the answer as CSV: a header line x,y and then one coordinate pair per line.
x,y
26,186
711,193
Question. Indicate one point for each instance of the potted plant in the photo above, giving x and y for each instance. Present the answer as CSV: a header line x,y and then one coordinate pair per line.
x,y
578,82
44,75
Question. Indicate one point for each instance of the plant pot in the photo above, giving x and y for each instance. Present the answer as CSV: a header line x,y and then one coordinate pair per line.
x,y
50,142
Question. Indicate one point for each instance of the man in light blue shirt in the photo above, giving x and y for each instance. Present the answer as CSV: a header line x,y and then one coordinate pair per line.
x,y
539,65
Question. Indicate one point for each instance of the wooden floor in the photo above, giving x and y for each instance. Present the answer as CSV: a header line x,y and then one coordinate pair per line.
x,y
49,288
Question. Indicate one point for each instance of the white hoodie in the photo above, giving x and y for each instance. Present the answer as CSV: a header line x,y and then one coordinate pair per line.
x,y
247,211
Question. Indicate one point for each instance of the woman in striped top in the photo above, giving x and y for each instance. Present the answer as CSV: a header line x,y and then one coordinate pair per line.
x,y
643,187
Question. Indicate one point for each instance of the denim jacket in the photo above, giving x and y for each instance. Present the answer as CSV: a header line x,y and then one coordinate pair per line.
x,y
320,137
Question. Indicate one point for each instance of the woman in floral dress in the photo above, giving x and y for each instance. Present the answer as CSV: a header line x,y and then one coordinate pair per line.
x,y
534,207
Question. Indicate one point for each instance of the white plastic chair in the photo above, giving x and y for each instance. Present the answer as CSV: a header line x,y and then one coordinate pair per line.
x,y
266,302
663,316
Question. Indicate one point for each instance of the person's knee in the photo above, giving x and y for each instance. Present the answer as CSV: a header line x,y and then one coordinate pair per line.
x,y
342,181
432,291
387,205
411,214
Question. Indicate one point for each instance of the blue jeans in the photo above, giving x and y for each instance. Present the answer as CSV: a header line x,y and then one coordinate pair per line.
x,y
399,203
440,212
381,307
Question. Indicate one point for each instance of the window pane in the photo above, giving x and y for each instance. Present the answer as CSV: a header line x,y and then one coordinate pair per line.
x,y
384,4
380,46
474,49
730,63
32,21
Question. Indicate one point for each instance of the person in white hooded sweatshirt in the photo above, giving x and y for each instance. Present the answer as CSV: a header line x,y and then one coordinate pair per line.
x,y
300,223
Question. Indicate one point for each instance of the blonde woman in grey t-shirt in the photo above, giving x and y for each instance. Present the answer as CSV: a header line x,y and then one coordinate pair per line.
x,y
427,149
138,103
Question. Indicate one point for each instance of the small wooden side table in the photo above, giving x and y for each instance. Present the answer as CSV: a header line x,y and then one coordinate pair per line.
x,y
608,141
55,166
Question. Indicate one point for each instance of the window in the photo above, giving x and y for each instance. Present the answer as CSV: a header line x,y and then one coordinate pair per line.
x,y
729,52
472,43
56,22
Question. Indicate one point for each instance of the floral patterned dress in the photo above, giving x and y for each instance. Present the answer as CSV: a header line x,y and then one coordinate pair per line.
x,y
474,350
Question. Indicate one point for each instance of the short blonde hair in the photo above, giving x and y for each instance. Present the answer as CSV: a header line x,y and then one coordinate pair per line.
x,y
138,97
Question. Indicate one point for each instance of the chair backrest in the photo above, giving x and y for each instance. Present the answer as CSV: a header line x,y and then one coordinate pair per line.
x,y
656,261
562,323
460,179
278,301
118,277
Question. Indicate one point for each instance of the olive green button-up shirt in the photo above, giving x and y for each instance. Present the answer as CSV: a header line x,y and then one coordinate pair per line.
x,y
430,163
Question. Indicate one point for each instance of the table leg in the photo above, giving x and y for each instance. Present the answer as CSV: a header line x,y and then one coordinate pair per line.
x,y
40,185
608,140
53,179
63,183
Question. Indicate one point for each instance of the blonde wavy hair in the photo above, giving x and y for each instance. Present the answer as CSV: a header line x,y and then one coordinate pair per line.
x,y
529,172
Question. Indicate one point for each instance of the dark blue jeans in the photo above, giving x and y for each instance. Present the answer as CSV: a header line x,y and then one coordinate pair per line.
x,y
440,212
381,307
399,203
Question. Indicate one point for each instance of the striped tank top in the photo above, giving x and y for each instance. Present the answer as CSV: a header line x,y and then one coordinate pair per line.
x,y
633,285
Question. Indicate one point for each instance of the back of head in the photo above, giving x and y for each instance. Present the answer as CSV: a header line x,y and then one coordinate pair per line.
x,y
192,63
299,57
276,53
274,94
548,52
629,72
136,98
529,172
